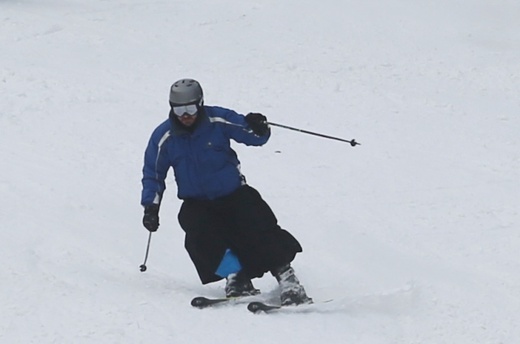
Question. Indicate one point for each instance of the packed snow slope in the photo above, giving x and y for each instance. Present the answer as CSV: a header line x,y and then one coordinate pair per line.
x,y
414,234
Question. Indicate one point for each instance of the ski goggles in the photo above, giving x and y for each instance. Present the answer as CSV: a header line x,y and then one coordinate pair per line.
x,y
181,110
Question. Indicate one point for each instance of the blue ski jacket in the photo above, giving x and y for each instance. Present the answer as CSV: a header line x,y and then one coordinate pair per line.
x,y
204,164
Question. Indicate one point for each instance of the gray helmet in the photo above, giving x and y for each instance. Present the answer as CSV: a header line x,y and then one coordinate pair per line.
x,y
186,91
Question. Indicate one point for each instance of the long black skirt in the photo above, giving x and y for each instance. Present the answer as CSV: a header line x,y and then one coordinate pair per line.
x,y
241,222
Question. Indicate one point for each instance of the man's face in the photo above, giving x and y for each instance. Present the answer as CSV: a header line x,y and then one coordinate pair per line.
x,y
187,120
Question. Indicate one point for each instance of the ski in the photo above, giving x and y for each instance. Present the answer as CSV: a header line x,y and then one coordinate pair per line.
x,y
256,307
202,302
262,307
259,307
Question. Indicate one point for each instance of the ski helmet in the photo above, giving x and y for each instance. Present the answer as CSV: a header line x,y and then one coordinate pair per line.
x,y
186,91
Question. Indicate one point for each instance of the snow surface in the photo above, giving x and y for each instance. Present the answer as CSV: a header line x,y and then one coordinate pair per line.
x,y
414,234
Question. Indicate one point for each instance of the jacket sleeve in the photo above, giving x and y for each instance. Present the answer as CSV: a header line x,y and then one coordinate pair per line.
x,y
155,168
236,127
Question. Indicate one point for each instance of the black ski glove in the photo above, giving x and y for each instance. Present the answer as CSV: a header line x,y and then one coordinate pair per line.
x,y
151,217
258,123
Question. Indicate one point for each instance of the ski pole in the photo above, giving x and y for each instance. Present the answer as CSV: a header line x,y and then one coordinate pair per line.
x,y
143,266
352,142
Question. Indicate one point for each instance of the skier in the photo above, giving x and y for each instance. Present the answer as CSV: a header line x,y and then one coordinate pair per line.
x,y
230,231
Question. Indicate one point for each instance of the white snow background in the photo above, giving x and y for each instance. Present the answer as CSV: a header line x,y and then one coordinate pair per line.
x,y
414,234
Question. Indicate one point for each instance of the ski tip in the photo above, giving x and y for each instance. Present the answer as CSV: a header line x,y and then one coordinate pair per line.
x,y
258,307
199,302
255,307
